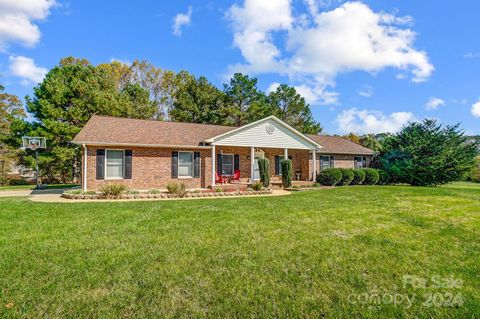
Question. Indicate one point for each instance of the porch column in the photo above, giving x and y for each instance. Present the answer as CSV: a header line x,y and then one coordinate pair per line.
x,y
252,164
213,164
314,156
285,153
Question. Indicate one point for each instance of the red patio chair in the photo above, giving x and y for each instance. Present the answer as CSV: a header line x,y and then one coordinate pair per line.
x,y
236,176
219,179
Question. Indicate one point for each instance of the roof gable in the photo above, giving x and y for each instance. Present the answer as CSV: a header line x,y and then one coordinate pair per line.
x,y
269,132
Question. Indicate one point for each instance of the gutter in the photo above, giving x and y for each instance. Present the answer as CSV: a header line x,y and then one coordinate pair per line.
x,y
85,159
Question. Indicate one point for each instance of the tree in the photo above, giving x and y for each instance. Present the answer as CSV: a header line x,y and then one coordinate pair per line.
x,y
69,95
11,115
244,103
371,141
426,153
290,107
197,101
353,137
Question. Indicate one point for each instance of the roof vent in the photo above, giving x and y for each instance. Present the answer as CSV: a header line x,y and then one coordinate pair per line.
x,y
270,129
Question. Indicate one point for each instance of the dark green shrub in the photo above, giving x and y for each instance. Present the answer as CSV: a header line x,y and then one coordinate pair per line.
x,y
347,176
358,176
329,177
287,172
264,167
384,178
371,176
17,181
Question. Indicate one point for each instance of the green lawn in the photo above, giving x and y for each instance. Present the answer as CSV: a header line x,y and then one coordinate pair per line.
x,y
31,187
319,254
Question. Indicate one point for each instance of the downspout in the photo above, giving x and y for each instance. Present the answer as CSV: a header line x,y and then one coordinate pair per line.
x,y
85,158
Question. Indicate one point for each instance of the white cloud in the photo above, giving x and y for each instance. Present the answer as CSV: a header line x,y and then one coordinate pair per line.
x,y
122,61
272,87
365,91
26,69
321,45
369,121
181,20
16,20
472,55
433,103
476,109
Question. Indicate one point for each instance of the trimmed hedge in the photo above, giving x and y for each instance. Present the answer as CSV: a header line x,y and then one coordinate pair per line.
x,y
384,178
358,176
329,177
371,176
347,176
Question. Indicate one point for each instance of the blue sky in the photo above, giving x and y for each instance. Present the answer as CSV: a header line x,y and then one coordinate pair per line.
x,y
367,66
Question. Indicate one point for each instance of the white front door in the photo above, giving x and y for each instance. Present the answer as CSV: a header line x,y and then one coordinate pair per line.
x,y
256,169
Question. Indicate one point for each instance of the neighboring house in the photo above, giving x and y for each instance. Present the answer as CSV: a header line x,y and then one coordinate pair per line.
x,y
149,154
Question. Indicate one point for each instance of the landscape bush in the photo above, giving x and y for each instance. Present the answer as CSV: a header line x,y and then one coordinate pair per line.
x,y
329,177
358,176
257,186
286,173
178,189
17,181
371,176
264,168
154,191
383,177
113,190
347,176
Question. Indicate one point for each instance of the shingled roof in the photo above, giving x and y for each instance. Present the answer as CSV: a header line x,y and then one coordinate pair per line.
x,y
104,130
339,145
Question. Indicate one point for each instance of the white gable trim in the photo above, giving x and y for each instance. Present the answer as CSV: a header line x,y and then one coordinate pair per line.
x,y
305,139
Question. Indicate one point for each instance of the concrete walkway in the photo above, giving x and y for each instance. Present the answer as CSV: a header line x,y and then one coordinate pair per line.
x,y
53,196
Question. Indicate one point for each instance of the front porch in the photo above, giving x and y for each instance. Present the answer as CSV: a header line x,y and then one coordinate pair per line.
x,y
235,154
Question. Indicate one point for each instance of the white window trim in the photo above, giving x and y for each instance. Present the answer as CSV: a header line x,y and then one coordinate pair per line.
x,y
193,166
123,164
233,162
329,161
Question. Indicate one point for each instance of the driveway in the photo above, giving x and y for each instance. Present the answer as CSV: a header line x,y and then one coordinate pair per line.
x,y
41,195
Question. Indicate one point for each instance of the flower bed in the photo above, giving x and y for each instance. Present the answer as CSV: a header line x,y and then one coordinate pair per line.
x,y
92,195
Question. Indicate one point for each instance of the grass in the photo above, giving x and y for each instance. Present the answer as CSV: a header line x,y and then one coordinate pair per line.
x,y
310,254
31,187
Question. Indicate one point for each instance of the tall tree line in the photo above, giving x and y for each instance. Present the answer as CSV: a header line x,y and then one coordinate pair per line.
x,y
75,89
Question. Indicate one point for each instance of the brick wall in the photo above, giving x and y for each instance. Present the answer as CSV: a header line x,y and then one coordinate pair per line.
x,y
151,168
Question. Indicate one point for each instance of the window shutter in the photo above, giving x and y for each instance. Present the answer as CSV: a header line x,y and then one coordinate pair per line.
x,y
236,162
364,159
100,164
127,169
277,165
196,164
332,162
219,164
174,164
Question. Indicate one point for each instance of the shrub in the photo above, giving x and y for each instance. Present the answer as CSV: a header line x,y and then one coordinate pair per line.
x,y
178,189
358,176
17,181
133,192
287,172
371,176
264,167
347,176
218,190
329,177
113,190
384,178
154,191
80,192
257,186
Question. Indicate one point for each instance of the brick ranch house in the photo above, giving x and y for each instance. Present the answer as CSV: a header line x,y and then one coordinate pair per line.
x,y
146,154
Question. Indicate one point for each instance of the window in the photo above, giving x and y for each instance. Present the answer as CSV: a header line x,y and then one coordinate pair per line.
x,y
360,161
185,164
325,162
227,164
114,164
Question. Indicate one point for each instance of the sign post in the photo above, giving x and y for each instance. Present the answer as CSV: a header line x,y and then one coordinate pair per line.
x,y
34,143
